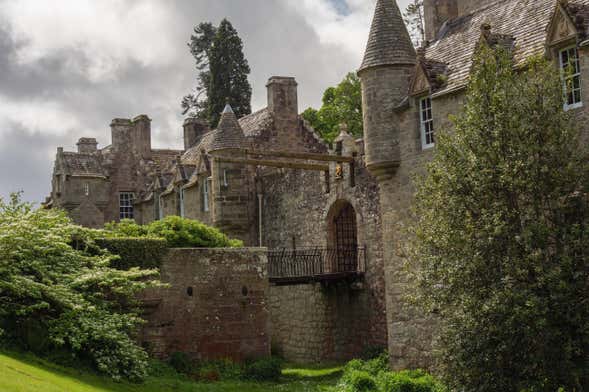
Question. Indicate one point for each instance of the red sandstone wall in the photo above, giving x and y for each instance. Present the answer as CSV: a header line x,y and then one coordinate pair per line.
x,y
215,307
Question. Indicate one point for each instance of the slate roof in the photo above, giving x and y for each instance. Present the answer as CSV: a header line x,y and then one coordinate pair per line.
x,y
229,133
254,124
524,22
164,158
389,42
76,164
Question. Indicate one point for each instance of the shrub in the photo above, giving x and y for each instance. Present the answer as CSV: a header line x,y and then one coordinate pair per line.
x,y
408,381
181,362
73,296
357,381
135,252
178,233
374,375
268,369
372,367
224,369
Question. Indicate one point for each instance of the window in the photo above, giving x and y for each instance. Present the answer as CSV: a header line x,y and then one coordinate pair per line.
x,y
571,73
181,197
87,189
225,183
58,184
427,123
126,205
205,195
160,211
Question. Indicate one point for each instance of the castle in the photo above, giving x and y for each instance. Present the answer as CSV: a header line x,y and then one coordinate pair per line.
x,y
332,218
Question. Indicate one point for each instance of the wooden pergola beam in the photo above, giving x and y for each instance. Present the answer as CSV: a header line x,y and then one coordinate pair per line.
x,y
272,163
301,155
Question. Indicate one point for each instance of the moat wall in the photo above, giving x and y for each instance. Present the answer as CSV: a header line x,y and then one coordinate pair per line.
x,y
216,305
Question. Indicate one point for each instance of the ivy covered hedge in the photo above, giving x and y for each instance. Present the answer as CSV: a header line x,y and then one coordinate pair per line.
x,y
135,252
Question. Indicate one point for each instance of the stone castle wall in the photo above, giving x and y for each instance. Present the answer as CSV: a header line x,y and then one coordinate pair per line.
x,y
216,306
314,322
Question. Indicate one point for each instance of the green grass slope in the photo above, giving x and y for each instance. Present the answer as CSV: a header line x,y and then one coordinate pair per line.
x,y
26,373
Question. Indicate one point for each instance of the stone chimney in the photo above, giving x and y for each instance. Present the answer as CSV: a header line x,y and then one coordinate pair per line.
x,y
142,136
194,129
121,129
437,12
282,97
87,145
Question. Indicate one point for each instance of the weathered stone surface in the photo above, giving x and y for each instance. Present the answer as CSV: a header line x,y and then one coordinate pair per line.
x,y
216,305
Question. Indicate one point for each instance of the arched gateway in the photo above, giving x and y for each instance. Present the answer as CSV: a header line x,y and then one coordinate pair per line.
x,y
342,238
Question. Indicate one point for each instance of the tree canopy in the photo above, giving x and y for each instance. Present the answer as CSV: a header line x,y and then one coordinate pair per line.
x,y
342,104
222,73
55,296
502,234
415,20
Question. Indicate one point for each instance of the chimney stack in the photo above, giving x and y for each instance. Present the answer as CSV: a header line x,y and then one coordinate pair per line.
x,y
282,97
194,129
87,145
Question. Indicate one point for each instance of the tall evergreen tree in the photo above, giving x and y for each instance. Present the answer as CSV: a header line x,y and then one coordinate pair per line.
x,y
195,104
502,235
415,21
229,72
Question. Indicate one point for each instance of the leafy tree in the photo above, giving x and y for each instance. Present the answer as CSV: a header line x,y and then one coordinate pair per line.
x,y
341,105
502,235
56,297
414,19
228,75
195,104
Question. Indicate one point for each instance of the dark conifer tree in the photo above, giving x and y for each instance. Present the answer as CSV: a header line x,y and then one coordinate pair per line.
x,y
196,104
229,73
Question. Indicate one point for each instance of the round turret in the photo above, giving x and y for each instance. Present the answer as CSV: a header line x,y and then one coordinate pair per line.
x,y
385,75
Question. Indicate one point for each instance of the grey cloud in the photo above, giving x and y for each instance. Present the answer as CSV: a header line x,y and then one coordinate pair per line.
x,y
277,41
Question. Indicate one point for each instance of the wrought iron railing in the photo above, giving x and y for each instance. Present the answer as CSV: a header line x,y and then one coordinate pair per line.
x,y
315,262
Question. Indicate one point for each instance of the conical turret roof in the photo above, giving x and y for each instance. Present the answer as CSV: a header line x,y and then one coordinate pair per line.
x,y
229,133
389,42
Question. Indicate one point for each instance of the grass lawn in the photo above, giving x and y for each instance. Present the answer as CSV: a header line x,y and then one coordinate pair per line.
x,y
24,373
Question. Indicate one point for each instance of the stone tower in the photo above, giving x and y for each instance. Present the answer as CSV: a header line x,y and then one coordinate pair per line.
x,y
385,76
229,180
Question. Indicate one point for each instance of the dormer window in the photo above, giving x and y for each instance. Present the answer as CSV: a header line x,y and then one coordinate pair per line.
x,y
571,75
427,123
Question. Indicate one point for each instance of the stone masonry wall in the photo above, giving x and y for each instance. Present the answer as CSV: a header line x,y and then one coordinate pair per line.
x,y
312,322
216,306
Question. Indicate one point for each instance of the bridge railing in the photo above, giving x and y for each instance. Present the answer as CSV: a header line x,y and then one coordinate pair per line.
x,y
303,264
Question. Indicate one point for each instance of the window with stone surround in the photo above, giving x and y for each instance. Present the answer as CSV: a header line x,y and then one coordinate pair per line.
x,y
426,122
87,189
126,205
571,74
181,200
205,195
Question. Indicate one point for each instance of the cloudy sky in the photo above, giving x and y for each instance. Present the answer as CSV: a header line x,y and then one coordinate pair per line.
x,y
67,67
